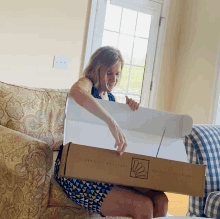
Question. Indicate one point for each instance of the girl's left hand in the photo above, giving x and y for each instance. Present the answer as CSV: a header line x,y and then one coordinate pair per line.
x,y
132,104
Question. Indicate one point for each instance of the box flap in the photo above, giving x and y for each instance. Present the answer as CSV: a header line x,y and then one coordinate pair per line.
x,y
143,120
143,129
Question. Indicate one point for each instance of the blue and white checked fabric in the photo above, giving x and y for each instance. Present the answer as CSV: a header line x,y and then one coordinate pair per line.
x,y
212,207
203,147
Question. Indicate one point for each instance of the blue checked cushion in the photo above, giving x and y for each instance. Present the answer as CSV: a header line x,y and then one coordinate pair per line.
x,y
203,147
212,207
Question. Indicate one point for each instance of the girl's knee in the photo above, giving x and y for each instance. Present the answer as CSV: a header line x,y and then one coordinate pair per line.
x,y
121,202
143,206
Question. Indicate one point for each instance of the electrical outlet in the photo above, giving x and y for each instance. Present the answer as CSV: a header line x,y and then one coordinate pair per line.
x,y
61,62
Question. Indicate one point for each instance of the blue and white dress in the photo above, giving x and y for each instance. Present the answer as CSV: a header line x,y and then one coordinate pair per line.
x,y
87,194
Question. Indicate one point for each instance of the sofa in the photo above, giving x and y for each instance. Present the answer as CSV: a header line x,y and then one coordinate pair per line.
x,y
31,131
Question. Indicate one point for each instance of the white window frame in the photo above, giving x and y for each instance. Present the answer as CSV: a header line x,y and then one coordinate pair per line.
x,y
214,117
158,53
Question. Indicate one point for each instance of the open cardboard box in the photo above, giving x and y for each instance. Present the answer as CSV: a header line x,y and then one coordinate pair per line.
x,y
155,157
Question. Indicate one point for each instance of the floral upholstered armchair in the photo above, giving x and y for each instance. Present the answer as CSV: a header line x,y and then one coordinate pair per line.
x,y
31,131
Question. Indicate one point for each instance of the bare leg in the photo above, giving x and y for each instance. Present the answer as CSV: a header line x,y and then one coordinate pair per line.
x,y
160,202
126,203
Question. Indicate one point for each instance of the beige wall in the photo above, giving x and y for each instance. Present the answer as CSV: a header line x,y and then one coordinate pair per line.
x,y
33,32
197,35
169,60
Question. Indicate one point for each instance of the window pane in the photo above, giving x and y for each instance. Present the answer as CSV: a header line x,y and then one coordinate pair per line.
x,y
128,21
125,46
136,79
143,25
112,18
120,98
110,38
122,87
140,51
135,98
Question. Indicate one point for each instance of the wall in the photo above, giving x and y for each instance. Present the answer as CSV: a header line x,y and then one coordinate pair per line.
x,y
195,60
169,60
33,32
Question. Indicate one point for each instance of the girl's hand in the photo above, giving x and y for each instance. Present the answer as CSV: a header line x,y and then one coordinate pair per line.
x,y
120,139
132,104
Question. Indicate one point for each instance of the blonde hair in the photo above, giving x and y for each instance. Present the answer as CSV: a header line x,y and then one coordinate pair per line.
x,y
104,56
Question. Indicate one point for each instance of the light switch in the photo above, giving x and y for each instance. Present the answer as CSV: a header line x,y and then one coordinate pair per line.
x,y
61,62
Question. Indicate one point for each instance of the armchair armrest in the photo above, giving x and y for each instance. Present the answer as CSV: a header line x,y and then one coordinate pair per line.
x,y
25,172
212,205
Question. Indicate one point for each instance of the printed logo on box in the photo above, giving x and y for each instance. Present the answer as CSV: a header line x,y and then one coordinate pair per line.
x,y
139,168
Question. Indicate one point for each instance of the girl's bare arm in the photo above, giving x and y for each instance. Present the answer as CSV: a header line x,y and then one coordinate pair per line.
x,y
81,93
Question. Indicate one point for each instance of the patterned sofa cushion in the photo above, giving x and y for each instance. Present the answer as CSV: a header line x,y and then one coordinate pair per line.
x,y
25,173
64,212
59,198
38,113
203,147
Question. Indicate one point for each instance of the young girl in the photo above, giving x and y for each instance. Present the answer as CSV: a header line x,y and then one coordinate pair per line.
x,y
101,75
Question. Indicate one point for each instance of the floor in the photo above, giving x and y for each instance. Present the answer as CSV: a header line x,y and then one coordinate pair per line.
x,y
178,204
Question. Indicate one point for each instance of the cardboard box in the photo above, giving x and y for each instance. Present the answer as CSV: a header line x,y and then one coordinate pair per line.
x,y
92,156
103,165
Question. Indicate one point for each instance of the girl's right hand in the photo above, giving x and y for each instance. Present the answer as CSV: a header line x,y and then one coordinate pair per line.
x,y
120,139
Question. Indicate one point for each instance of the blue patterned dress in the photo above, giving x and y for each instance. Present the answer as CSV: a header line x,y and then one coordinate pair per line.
x,y
87,194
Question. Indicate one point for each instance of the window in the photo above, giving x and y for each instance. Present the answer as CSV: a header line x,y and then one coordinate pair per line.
x,y
132,27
